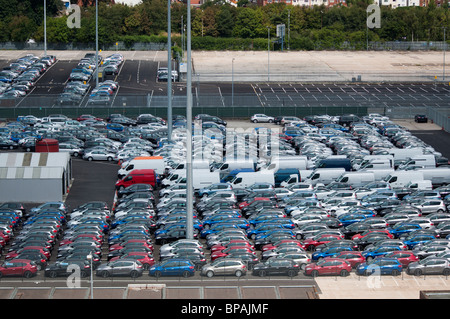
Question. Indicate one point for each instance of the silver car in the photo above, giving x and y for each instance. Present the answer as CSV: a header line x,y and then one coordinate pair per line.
x,y
131,268
429,266
99,155
225,266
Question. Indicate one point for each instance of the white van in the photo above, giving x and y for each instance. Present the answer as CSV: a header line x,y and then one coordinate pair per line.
x,y
377,164
231,165
422,185
427,161
405,153
370,158
380,174
246,179
143,162
356,179
399,179
201,178
324,175
437,176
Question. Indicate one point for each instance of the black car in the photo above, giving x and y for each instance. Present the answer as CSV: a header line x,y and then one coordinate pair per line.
x,y
420,118
171,236
62,269
134,188
6,143
276,266
347,120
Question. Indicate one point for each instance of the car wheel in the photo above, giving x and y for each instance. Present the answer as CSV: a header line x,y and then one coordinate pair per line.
x,y
262,273
238,273
75,154
418,272
90,159
311,248
83,274
369,259
440,211
314,273
52,274
255,121
134,274
109,159
186,274
27,274
344,273
291,273
210,274
298,236
395,272
206,226
158,274
270,121
105,274
446,272
253,236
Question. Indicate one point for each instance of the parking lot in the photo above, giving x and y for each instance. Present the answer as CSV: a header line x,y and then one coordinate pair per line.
x,y
94,181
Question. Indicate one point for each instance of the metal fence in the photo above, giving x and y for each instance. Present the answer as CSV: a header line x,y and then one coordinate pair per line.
x,y
440,117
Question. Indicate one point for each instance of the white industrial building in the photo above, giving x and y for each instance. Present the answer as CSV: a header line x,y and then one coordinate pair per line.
x,y
34,177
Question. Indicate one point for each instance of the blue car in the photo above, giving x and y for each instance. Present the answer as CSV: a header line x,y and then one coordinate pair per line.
x,y
275,231
173,267
350,218
380,266
252,233
216,187
216,218
217,228
414,240
124,233
328,252
379,251
403,228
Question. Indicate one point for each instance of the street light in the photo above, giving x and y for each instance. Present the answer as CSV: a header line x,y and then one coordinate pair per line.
x,y
45,27
268,52
443,65
96,43
90,258
169,73
232,81
189,177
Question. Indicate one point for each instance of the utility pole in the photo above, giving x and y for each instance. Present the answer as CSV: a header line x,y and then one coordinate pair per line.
x,y
45,27
443,65
96,43
189,183
268,53
169,73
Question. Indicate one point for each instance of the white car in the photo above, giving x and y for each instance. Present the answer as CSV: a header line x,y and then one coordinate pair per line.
x,y
261,118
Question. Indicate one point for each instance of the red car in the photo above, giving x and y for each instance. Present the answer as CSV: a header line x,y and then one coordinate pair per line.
x,y
131,242
146,259
312,243
88,117
42,250
281,243
404,257
230,250
18,267
255,199
329,266
371,231
234,242
353,257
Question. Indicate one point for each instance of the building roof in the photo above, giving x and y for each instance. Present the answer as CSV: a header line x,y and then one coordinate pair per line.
x,y
31,172
51,159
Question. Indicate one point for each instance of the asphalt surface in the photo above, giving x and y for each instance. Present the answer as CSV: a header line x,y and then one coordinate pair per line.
x,y
139,87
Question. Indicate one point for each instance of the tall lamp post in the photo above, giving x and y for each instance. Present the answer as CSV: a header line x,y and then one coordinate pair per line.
x,y
443,65
268,53
96,43
45,27
90,258
169,73
189,182
232,81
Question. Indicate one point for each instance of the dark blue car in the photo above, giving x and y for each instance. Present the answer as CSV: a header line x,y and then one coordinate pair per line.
x,y
328,252
380,266
173,267
379,251
414,240
350,218
403,228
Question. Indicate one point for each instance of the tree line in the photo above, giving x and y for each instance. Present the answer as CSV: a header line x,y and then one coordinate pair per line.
x,y
218,25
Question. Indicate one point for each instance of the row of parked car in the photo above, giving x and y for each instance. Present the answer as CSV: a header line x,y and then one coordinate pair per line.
x,y
18,79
